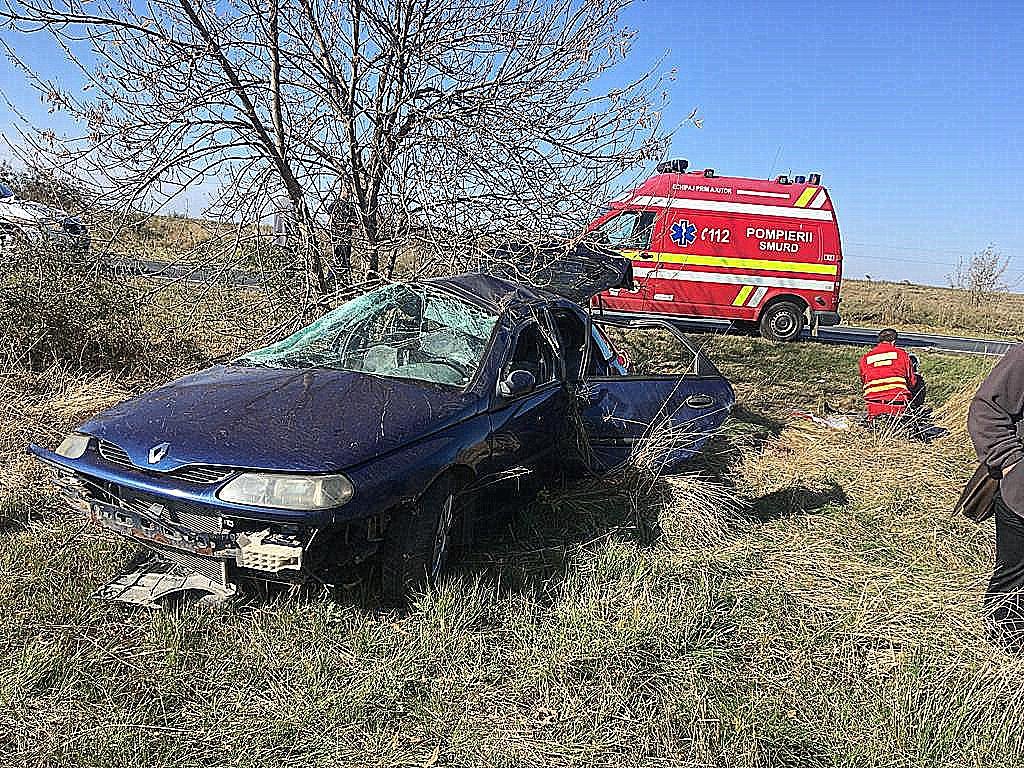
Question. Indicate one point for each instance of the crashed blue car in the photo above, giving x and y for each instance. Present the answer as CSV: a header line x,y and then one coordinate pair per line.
x,y
368,435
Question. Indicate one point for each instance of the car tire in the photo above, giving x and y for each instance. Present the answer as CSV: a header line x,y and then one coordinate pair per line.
x,y
782,322
419,541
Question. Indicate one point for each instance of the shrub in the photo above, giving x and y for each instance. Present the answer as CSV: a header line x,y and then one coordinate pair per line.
x,y
981,275
57,306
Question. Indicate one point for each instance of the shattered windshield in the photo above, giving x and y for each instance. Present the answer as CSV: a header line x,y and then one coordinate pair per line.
x,y
408,331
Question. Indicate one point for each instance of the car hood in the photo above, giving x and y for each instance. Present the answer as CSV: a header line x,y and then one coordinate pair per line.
x,y
309,420
27,212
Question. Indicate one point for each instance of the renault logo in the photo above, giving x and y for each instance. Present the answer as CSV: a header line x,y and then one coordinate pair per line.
x,y
157,452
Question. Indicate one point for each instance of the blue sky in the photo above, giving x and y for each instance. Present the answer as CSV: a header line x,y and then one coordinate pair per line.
x,y
911,111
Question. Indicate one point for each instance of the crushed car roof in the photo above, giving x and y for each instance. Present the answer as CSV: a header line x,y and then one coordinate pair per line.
x,y
576,272
490,291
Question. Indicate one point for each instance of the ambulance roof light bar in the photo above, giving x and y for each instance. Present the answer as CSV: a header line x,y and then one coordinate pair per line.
x,y
783,179
799,179
815,179
676,165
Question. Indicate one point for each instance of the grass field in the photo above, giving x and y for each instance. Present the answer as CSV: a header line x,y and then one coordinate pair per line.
x,y
801,597
927,308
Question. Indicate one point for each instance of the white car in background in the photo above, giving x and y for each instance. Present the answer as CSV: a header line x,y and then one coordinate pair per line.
x,y
26,222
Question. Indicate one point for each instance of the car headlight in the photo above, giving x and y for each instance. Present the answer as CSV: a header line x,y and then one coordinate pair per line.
x,y
73,446
264,489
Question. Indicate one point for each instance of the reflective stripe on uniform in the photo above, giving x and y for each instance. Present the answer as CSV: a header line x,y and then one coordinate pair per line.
x,y
887,380
880,358
885,388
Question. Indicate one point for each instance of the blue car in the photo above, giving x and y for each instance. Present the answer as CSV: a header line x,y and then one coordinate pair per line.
x,y
369,434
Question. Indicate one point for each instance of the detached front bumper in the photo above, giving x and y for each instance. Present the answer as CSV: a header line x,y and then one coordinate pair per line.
x,y
204,552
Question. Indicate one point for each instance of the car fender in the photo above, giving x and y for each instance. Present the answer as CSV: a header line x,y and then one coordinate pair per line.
x,y
403,475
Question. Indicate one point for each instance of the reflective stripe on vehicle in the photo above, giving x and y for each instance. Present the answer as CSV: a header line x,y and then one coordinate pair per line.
x,y
741,297
755,193
721,277
693,204
805,197
734,262
759,294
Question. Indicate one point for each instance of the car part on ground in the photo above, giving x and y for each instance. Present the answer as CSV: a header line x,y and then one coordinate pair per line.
x,y
371,433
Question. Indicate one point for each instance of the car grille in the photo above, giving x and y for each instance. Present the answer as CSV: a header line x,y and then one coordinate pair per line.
x,y
205,475
202,475
115,454
194,517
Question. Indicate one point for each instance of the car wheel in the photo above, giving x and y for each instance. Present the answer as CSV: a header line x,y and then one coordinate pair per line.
x,y
418,542
782,322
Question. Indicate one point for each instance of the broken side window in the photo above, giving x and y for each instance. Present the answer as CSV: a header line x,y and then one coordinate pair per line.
x,y
533,352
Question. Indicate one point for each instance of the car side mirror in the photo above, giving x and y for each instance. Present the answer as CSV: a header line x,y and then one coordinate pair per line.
x,y
518,382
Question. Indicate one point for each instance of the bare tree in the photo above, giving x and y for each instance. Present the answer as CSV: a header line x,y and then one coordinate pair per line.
x,y
448,122
981,275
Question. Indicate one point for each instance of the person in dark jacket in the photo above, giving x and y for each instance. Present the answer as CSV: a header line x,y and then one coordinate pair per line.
x,y
997,430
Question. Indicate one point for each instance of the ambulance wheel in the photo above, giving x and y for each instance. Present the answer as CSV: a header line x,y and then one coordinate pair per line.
x,y
782,322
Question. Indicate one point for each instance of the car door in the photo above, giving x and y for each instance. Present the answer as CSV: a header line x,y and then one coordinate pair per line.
x,y
527,429
656,418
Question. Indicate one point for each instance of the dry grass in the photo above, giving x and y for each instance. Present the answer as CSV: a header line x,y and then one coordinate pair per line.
x,y
926,308
802,598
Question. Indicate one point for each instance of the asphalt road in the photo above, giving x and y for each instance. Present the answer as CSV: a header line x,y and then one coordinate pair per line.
x,y
185,272
835,335
852,336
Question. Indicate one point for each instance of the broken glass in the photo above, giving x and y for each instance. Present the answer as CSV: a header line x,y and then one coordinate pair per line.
x,y
407,331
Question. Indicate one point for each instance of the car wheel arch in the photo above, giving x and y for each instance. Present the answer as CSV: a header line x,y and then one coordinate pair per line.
x,y
410,530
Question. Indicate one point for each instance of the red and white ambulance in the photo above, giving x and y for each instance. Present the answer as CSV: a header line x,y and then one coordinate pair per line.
x,y
762,254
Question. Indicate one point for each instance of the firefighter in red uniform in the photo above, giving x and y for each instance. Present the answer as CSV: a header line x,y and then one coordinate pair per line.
x,y
892,385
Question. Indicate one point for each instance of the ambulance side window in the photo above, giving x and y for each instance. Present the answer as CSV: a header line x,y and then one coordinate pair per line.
x,y
644,229
630,229
618,230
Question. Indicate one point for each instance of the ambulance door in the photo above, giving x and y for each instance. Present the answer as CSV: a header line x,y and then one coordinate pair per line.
x,y
647,262
632,232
